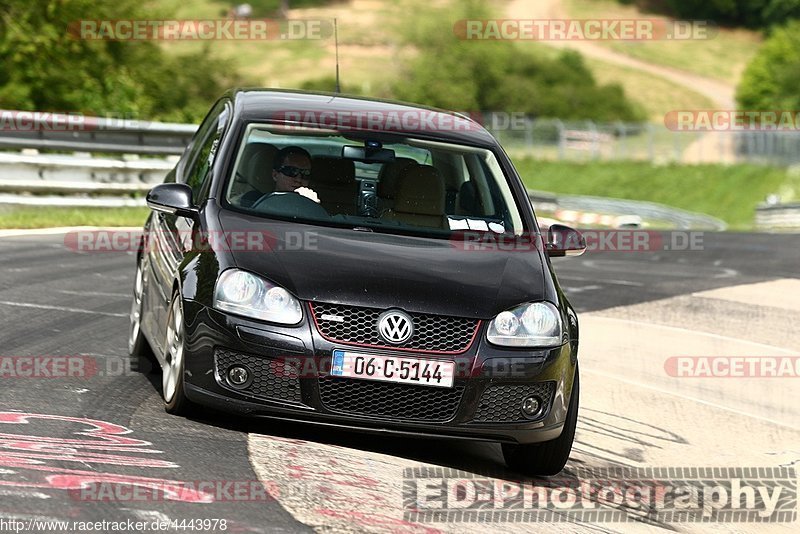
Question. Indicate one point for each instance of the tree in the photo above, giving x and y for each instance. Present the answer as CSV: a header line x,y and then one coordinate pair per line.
x,y
490,75
772,79
47,68
749,13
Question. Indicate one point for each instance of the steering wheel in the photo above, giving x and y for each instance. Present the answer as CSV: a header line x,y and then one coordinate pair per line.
x,y
290,204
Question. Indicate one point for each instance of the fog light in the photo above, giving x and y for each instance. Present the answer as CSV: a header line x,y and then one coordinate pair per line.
x,y
531,406
238,375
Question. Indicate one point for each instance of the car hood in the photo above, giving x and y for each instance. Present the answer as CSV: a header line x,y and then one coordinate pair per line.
x,y
378,270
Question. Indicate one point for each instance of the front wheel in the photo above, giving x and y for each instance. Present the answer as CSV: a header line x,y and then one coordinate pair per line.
x,y
550,457
175,400
137,344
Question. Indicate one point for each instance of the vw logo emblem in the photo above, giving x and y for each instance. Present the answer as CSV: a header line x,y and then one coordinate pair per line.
x,y
395,327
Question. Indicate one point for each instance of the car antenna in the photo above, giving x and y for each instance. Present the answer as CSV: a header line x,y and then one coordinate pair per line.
x,y
336,44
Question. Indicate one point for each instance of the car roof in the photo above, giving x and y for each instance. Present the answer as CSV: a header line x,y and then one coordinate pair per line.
x,y
305,107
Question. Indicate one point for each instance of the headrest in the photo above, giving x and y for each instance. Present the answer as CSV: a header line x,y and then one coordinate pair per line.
x,y
387,177
331,170
256,164
420,190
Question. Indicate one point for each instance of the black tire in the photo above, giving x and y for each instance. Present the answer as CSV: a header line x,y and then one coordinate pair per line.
x,y
175,401
547,458
139,350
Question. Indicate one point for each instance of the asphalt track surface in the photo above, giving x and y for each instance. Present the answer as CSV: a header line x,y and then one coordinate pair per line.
x,y
736,296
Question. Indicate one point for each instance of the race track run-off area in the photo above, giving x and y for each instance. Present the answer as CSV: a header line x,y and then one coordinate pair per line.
x,y
656,404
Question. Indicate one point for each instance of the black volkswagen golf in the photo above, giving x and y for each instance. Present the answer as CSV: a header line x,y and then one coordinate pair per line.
x,y
363,264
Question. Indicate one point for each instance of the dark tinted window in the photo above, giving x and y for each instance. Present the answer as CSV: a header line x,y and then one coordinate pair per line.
x,y
204,151
437,187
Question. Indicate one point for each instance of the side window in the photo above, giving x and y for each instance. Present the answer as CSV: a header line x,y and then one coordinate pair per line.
x,y
198,172
202,156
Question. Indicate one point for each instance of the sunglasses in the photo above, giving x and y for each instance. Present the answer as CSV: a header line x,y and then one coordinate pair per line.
x,y
292,172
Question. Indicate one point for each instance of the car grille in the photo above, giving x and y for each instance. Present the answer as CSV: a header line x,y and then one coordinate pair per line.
x,y
432,333
503,403
268,382
389,400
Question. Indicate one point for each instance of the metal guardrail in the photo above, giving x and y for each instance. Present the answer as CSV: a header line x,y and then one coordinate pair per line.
x,y
82,168
71,188
778,216
614,208
66,132
70,201
51,159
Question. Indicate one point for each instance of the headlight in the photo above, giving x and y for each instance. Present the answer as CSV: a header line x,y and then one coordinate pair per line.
x,y
246,294
537,324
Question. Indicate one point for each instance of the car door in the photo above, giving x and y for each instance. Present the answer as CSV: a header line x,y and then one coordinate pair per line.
x,y
171,236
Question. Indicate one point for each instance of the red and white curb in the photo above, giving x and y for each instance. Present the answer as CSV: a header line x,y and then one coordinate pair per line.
x,y
595,219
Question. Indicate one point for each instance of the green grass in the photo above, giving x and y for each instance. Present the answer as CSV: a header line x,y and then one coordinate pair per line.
x,y
34,217
367,45
722,57
374,44
655,95
730,193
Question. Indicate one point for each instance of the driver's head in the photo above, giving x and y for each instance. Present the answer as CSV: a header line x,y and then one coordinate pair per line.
x,y
292,168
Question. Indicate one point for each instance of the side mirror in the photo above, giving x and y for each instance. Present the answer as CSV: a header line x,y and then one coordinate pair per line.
x,y
174,199
564,241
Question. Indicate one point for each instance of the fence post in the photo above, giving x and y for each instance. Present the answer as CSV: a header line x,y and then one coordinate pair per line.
x,y
529,135
623,140
495,131
561,139
772,154
595,139
750,146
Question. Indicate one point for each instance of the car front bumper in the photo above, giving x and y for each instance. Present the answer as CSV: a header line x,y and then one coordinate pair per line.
x,y
289,369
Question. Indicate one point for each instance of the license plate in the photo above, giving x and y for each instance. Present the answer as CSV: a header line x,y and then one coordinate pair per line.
x,y
393,369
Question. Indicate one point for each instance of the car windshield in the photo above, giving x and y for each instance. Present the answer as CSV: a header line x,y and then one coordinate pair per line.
x,y
395,184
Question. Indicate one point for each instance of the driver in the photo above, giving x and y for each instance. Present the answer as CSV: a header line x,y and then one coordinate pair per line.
x,y
291,171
